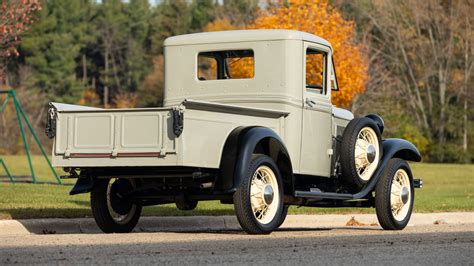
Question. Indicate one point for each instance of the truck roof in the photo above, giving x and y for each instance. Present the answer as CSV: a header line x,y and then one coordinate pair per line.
x,y
243,36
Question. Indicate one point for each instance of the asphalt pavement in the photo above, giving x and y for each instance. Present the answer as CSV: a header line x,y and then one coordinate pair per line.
x,y
436,243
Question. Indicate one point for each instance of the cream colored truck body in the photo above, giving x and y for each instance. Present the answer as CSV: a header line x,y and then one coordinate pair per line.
x,y
144,137
275,97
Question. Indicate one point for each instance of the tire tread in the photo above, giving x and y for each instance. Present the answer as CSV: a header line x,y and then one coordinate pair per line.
x,y
100,210
242,207
382,195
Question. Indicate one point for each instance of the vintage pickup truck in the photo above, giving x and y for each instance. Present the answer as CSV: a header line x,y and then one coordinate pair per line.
x,y
247,120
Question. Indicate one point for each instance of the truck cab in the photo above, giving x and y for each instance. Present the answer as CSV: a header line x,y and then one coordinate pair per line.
x,y
285,70
247,120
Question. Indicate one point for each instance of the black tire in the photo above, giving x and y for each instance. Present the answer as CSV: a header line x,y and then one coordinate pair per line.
x,y
242,202
350,175
383,196
186,205
284,213
102,213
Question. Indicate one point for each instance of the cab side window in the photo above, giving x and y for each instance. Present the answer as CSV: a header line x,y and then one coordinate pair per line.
x,y
230,64
315,71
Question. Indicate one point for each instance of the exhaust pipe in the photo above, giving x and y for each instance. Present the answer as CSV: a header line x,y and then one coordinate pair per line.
x,y
206,185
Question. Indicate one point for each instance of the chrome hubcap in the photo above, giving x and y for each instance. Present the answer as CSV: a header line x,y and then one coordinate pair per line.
x,y
268,194
404,194
371,153
366,153
400,199
264,195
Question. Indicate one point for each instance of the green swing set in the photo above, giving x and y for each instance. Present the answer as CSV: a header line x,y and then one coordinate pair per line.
x,y
21,116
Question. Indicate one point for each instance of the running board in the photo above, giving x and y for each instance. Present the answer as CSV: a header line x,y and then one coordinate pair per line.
x,y
323,195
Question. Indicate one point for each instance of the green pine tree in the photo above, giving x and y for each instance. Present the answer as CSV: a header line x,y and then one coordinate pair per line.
x,y
168,19
53,46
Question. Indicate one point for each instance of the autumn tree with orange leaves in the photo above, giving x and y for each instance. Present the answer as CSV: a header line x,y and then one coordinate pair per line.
x,y
319,18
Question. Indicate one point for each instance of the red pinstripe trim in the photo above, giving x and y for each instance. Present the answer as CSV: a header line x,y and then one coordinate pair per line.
x,y
138,154
122,154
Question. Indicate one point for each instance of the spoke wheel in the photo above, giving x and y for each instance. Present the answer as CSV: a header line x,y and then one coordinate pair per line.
x,y
365,155
400,195
361,151
258,202
263,197
394,195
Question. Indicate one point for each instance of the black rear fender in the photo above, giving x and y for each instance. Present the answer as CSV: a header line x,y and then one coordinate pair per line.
x,y
237,153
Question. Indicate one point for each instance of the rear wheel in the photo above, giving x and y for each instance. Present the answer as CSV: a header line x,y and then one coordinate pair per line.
x,y
394,195
112,212
258,202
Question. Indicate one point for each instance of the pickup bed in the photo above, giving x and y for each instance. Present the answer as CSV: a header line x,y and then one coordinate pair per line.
x,y
190,134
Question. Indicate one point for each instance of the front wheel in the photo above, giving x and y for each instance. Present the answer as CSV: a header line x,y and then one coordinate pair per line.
x,y
394,195
112,212
284,213
258,202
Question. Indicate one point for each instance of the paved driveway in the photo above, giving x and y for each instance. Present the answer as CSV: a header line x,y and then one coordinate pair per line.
x,y
427,245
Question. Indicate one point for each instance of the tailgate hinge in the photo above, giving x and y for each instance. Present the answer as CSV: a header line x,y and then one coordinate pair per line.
x,y
178,120
50,128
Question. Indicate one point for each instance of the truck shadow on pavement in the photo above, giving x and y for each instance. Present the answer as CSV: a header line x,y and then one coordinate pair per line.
x,y
88,226
288,229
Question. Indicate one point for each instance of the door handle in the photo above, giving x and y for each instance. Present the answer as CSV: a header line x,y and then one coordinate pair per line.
x,y
310,102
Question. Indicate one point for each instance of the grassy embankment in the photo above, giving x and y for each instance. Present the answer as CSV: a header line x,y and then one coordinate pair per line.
x,y
447,187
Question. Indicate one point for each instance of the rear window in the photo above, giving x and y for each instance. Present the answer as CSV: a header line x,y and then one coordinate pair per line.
x,y
231,64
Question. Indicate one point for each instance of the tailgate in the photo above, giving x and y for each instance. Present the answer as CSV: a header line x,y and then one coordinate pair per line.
x,y
94,132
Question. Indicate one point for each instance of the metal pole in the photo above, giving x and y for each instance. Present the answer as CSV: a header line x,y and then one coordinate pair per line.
x,y
38,142
5,103
8,172
27,149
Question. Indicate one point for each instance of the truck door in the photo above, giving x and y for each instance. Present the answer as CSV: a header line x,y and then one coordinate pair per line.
x,y
317,112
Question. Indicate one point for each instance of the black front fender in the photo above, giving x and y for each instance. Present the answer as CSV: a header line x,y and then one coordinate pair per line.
x,y
400,148
392,148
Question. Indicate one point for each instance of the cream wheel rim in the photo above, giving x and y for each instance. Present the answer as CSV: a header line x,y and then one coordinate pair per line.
x,y
264,194
400,195
366,153
118,218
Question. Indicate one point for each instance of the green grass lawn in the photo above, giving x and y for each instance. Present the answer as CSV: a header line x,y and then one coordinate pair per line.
x,y
447,187
18,166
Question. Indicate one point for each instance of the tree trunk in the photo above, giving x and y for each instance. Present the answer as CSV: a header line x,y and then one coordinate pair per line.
x,y
84,69
467,75
465,124
442,105
106,88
